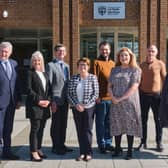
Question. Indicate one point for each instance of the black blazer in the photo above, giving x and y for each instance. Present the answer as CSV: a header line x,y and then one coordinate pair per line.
x,y
35,93
163,114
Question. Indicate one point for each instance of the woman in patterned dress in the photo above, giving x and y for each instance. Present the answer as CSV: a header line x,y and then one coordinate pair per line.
x,y
125,113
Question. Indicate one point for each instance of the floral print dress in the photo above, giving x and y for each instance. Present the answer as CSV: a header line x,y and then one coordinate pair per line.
x,y
125,117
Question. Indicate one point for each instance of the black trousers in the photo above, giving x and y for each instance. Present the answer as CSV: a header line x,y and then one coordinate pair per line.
x,y
150,101
84,125
8,127
58,127
36,134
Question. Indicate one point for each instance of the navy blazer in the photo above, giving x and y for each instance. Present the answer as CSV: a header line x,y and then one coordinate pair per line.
x,y
35,93
9,89
163,114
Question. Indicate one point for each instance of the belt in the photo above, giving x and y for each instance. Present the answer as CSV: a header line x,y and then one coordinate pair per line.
x,y
150,94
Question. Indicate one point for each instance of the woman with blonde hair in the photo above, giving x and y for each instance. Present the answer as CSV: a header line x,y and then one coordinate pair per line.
x,y
37,104
125,113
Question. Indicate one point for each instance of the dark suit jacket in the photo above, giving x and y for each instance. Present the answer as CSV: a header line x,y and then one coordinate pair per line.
x,y
9,89
35,93
164,104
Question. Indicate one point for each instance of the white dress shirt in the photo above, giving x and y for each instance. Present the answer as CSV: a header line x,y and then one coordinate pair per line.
x,y
43,79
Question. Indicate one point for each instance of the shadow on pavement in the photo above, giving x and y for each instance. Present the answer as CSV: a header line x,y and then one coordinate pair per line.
x,y
23,152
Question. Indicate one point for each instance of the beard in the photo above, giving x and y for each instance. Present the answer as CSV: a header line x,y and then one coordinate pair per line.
x,y
104,57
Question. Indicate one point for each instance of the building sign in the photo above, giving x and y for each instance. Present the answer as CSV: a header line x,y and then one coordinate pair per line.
x,y
109,10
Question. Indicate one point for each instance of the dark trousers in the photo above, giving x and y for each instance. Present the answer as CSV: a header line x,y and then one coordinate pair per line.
x,y
36,134
58,127
84,125
8,127
150,101
2,117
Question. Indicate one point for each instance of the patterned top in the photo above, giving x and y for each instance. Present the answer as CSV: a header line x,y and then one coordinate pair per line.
x,y
90,93
125,117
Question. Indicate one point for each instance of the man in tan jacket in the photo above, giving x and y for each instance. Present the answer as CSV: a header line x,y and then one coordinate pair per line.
x,y
153,75
102,68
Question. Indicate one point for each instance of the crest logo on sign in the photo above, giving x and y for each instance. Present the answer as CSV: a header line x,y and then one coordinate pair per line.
x,y
102,10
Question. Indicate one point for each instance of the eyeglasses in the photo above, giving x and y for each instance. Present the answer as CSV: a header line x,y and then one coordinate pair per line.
x,y
61,50
83,65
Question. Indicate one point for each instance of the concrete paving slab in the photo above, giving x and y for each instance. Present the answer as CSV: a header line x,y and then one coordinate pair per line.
x,y
149,158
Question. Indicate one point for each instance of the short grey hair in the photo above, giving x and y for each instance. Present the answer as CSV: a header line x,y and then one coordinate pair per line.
x,y
6,44
38,54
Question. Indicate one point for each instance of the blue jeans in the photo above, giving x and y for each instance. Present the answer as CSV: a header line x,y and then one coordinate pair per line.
x,y
103,124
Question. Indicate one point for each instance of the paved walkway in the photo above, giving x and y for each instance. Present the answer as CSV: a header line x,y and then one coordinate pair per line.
x,y
146,159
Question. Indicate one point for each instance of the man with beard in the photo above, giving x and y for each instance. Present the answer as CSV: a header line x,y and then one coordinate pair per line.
x,y
102,68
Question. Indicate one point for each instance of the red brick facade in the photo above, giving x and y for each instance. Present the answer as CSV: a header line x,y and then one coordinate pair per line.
x,y
66,17
26,14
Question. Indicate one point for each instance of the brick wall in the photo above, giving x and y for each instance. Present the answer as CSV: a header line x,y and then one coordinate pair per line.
x,y
65,17
132,15
163,29
143,29
153,26
26,13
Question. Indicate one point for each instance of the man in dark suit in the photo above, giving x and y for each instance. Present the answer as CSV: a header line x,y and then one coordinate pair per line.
x,y
9,94
58,72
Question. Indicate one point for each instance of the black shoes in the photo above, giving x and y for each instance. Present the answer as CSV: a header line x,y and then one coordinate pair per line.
x,y
109,148
86,158
141,146
159,147
43,156
10,156
104,150
67,149
81,157
33,159
117,152
62,151
58,152
129,155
